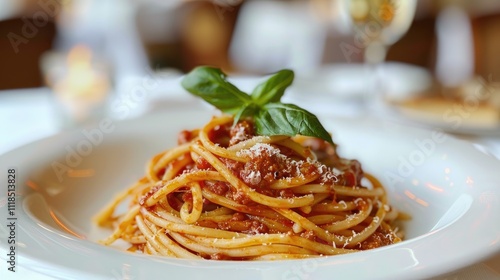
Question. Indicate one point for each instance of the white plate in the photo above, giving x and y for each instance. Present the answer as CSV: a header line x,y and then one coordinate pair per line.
x,y
450,188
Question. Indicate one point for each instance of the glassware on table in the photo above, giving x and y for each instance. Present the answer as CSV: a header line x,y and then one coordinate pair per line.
x,y
81,85
376,25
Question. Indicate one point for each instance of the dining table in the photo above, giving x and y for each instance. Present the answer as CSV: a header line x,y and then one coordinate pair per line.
x,y
30,114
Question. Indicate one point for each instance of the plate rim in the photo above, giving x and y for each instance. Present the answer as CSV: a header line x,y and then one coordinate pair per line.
x,y
360,255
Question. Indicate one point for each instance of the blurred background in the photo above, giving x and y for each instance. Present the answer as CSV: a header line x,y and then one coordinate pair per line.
x,y
68,64
422,57
250,36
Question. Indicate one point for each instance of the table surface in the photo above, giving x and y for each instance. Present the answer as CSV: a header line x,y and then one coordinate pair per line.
x,y
33,112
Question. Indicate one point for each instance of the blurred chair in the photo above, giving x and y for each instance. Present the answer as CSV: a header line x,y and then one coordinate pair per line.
x,y
22,42
486,30
417,46
420,45
185,34
157,27
206,30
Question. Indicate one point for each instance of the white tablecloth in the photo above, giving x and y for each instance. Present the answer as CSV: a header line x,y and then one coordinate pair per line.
x,y
27,115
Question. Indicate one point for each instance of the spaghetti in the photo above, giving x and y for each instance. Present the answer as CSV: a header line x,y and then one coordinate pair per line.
x,y
225,193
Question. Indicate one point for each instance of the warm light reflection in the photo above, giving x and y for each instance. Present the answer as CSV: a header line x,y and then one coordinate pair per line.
x,y
410,194
434,188
54,189
447,171
422,202
81,173
415,198
32,185
469,181
63,226
488,198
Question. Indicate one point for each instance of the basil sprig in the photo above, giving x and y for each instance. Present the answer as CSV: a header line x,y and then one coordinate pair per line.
x,y
271,117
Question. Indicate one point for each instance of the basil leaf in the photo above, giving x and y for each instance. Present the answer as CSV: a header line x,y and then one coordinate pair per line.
x,y
273,89
271,117
248,110
210,84
289,119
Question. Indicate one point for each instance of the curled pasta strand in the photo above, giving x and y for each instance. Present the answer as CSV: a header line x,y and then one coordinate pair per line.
x,y
194,203
196,206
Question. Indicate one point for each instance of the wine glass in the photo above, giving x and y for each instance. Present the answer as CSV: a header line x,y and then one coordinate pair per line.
x,y
376,25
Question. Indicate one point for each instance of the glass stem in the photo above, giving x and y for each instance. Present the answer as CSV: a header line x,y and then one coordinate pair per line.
x,y
375,54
